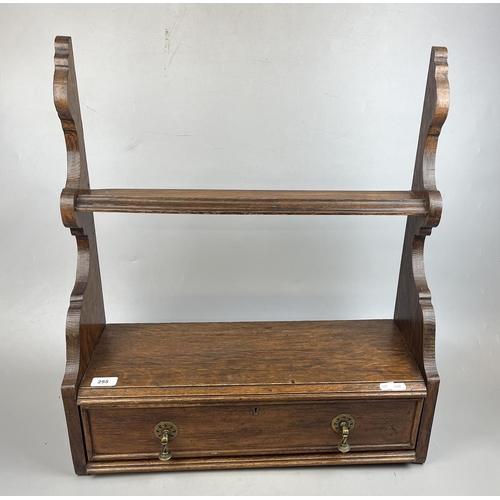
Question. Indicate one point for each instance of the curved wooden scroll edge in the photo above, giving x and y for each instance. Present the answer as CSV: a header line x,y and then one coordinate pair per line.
x,y
438,96
435,112
414,313
66,102
85,319
439,60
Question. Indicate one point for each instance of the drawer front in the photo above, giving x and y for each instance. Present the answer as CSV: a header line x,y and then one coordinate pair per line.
x,y
242,429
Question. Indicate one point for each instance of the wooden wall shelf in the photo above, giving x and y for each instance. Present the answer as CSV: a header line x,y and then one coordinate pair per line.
x,y
189,396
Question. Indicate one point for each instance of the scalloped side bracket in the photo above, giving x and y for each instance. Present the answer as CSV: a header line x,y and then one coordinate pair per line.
x,y
85,320
414,313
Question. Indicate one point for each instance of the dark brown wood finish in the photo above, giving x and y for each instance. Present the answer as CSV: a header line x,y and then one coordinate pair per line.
x,y
414,313
241,354
213,201
207,395
247,429
253,462
298,374
85,321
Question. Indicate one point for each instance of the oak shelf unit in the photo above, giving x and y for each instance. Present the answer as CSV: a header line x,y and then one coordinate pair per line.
x,y
249,394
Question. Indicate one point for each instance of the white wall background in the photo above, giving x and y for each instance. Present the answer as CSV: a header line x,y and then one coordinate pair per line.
x,y
250,96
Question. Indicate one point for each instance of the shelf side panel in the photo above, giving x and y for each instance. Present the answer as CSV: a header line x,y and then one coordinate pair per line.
x,y
414,313
85,319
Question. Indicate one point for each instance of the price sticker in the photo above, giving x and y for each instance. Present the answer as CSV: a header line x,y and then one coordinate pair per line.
x,y
393,386
104,381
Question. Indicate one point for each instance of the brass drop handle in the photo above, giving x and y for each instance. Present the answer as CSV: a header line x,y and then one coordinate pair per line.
x,y
342,424
165,454
165,431
344,445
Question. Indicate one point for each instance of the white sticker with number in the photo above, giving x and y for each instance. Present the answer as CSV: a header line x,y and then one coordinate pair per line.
x,y
104,381
393,386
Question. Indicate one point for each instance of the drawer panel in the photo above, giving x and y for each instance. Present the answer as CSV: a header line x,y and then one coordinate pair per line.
x,y
240,429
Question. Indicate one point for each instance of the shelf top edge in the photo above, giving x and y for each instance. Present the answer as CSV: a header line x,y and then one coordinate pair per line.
x,y
366,194
240,394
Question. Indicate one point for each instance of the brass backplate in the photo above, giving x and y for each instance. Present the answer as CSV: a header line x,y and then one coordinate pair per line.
x,y
343,417
172,428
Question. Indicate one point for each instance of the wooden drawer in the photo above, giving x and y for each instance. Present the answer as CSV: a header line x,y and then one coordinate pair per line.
x,y
241,429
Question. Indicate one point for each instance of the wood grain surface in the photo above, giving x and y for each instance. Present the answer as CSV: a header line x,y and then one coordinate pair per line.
x,y
213,201
250,354
414,313
233,430
85,320
254,462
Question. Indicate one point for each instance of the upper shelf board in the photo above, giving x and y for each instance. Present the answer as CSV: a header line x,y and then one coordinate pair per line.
x,y
264,202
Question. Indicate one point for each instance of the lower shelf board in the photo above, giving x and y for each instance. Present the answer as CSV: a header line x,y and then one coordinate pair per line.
x,y
198,361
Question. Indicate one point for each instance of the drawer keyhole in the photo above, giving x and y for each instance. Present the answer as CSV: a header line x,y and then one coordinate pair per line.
x,y
255,410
